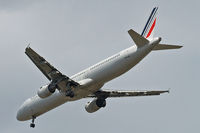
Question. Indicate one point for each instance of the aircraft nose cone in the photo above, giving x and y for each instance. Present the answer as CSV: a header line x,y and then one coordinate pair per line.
x,y
19,115
24,113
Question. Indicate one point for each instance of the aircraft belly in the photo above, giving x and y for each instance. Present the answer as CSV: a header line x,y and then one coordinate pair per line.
x,y
39,106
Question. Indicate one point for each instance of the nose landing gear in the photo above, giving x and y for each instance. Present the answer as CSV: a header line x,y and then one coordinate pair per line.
x,y
32,122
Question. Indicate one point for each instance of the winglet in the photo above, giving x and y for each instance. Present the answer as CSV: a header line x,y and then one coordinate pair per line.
x,y
28,45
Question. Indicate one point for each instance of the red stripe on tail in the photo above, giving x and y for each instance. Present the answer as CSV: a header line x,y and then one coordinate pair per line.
x,y
151,29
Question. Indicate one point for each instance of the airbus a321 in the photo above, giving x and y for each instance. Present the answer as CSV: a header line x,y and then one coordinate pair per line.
x,y
89,82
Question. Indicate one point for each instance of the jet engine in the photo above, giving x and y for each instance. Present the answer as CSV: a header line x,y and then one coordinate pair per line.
x,y
46,91
95,105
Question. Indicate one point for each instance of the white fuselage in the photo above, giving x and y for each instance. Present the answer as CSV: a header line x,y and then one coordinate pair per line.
x,y
99,74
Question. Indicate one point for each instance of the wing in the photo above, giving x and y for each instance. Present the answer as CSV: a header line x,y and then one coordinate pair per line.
x,y
47,69
115,93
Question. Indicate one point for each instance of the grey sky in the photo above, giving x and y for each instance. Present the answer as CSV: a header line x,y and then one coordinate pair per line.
x,y
72,35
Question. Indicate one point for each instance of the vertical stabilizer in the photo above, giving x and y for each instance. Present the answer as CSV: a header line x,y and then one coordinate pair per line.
x,y
137,38
150,25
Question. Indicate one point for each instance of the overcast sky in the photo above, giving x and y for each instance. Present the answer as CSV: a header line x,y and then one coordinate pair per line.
x,y
73,35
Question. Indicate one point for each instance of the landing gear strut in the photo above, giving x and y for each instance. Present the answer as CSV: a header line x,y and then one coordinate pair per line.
x,y
32,122
69,92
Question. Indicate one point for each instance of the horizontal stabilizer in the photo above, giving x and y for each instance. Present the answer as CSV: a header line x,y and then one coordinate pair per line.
x,y
137,38
166,47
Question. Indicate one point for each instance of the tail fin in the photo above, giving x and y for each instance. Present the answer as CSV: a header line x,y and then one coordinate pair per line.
x,y
147,34
137,38
150,25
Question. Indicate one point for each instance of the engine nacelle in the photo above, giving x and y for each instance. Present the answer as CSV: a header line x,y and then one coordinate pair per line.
x,y
46,91
95,105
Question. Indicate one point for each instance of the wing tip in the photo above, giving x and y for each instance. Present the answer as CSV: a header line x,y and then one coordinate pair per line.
x,y
180,46
27,47
168,91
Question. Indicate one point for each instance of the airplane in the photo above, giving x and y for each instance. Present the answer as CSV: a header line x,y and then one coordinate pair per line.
x,y
89,82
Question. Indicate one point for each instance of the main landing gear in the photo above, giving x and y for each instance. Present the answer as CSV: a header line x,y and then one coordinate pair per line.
x,y
32,122
69,91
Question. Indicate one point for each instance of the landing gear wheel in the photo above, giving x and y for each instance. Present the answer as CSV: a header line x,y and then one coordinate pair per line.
x,y
32,125
32,122
70,93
